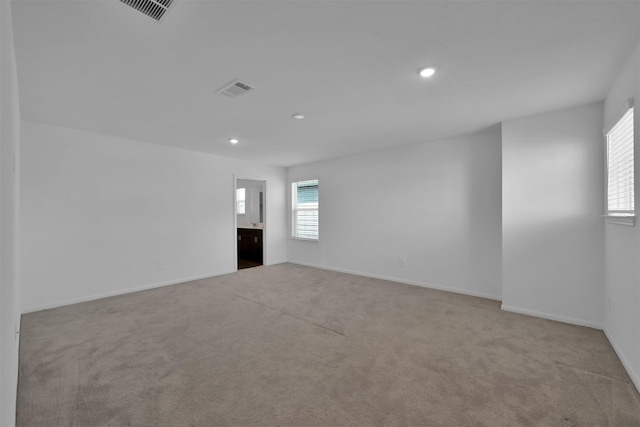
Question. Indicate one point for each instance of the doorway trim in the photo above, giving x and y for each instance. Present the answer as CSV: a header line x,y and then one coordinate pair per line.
x,y
237,177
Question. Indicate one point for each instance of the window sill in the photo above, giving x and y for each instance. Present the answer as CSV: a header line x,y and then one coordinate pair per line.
x,y
302,239
620,220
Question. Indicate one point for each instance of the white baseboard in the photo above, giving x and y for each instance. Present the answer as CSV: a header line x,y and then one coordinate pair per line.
x,y
400,280
625,362
121,292
550,316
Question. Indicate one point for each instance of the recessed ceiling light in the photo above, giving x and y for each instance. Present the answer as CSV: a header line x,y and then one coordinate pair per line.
x,y
427,72
234,141
298,116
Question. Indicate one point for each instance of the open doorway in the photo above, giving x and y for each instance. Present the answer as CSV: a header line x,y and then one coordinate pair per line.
x,y
250,204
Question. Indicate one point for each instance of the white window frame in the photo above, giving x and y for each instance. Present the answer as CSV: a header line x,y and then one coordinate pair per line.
x,y
295,208
620,216
241,201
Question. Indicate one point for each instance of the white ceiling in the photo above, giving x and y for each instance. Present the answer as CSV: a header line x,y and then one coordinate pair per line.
x,y
349,66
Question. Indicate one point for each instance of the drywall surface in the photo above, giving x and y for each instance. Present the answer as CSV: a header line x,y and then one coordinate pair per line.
x,y
9,201
552,234
433,207
622,243
104,215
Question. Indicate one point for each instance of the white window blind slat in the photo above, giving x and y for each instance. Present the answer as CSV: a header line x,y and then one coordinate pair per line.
x,y
305,206
620,167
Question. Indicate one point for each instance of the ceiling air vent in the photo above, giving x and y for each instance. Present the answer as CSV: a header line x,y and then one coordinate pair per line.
x,y
235,88
153,8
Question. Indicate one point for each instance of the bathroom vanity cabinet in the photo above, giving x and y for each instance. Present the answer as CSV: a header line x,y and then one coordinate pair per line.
x,y
250,245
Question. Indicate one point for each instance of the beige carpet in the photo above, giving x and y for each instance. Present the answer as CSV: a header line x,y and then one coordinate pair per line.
x,y
288,345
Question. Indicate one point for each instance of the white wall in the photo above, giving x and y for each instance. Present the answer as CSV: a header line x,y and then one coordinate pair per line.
x,y
552,234
9,201
622,243
435,204
99,213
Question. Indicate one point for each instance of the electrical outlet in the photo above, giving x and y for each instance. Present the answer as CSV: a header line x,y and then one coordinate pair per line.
x,y
161,265
402,262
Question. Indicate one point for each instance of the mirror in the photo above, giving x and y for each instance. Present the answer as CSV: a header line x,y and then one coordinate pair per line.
x,y
255,205
255,197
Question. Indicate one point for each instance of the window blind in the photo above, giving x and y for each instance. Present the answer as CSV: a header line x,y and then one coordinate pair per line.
x,y
240,199
305,209
620,167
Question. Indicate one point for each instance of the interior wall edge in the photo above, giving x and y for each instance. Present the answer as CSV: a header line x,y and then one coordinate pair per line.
x,y
32,309
635,377
551,316
10,166
400,280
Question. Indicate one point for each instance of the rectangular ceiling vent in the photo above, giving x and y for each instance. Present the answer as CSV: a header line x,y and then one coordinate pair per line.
x,y
235,88
153,8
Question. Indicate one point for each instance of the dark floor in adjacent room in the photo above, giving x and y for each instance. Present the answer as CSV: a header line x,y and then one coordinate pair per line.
x,y
247,263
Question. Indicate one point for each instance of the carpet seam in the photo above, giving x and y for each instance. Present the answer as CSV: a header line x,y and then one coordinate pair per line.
x,y
290,315
592,373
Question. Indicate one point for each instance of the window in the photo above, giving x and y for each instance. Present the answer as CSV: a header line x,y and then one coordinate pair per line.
x,y
305,209
620,168
240,201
